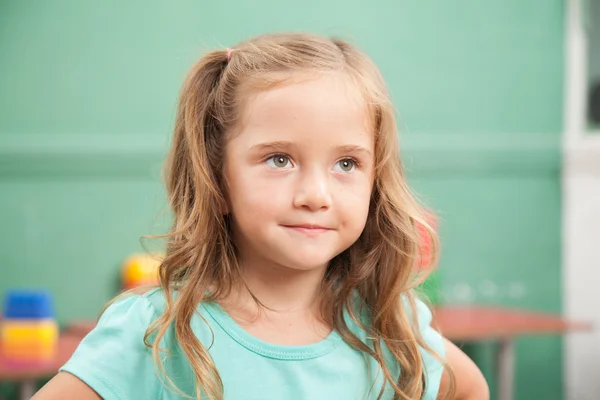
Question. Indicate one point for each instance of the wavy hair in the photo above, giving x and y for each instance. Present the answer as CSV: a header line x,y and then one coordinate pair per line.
x,y
200,261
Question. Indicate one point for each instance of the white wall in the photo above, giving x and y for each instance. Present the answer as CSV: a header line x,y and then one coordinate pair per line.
x,y
581,218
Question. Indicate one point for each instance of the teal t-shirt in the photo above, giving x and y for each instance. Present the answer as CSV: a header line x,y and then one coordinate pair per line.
x,y
113,360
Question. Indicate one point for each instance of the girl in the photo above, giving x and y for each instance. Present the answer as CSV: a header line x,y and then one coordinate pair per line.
x,y
289,272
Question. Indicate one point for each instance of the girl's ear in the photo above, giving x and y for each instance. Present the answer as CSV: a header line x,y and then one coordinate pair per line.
x,y
225,204
225,208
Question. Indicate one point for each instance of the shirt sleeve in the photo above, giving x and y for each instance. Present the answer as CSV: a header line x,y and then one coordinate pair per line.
x,y
113,359
434,369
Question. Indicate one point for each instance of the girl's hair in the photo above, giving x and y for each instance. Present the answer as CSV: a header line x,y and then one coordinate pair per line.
x,y
200,262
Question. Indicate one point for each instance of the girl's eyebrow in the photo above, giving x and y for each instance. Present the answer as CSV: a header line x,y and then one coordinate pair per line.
x,y
273,146
286,146
351,148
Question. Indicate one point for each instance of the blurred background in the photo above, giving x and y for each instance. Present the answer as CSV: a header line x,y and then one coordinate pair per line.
x,y
498,129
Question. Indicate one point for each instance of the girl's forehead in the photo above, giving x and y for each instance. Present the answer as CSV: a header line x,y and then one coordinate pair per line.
x,y
302,95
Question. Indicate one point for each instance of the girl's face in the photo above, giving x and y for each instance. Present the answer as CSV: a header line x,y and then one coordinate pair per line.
x,y
299,173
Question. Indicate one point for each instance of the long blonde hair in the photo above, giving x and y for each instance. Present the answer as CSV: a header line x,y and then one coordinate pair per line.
x,y
200,255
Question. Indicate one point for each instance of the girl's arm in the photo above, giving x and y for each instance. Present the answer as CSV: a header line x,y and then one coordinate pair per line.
x,y
65,386
469,382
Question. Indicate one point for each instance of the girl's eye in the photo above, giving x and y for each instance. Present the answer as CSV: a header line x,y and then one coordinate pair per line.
x,y
279,161
346,165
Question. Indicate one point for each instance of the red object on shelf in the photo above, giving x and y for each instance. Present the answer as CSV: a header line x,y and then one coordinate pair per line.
x,y
426,240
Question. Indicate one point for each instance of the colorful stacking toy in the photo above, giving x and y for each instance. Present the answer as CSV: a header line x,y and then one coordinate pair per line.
x,y
140,269
29,332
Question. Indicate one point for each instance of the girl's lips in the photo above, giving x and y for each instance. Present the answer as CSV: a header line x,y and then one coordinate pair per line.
x,y
306,229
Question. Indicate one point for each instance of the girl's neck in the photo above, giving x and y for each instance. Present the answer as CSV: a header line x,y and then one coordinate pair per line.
x,y
281,289
278,289
288,311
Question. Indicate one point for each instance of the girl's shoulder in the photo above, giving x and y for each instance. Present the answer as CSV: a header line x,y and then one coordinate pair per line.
x,y
152,304
108,356
116,358
202,322
156,298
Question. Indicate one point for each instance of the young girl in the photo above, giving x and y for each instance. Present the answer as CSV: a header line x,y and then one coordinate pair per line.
x,y
290,269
